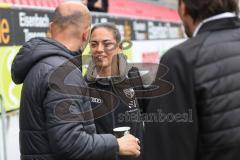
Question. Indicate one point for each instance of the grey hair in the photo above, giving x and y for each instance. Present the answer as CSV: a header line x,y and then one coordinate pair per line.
x,y
64,20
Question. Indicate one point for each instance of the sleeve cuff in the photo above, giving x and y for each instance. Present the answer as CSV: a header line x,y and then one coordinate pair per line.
x,y
111,146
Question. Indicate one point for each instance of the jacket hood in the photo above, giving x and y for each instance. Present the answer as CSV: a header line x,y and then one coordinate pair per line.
x,y
32,52
92,75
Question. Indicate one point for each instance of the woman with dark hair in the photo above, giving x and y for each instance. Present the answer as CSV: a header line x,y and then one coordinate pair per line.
x,y
109,72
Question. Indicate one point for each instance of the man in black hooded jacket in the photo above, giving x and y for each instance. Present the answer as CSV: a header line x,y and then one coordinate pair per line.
x,y
56,122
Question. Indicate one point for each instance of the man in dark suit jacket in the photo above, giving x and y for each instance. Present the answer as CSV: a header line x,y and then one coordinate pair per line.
x,y
199,119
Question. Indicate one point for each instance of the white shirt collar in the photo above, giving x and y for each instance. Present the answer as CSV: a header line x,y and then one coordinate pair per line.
x,y
216,17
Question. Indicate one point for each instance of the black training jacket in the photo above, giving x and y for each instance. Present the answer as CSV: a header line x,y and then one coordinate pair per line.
x,y
56,122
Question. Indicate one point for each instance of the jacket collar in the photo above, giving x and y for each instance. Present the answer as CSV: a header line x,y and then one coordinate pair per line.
x,y
219,24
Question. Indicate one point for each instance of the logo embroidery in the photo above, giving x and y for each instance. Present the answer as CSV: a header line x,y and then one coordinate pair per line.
x,y
96,100
129,93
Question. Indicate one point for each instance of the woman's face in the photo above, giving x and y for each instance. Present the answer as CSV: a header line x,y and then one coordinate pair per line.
x,y
104,47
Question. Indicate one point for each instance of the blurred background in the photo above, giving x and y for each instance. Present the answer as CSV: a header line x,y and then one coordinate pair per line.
x,y
153,26
167,3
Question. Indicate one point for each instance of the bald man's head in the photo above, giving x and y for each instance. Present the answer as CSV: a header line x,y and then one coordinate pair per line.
x,y
71,13
71,25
